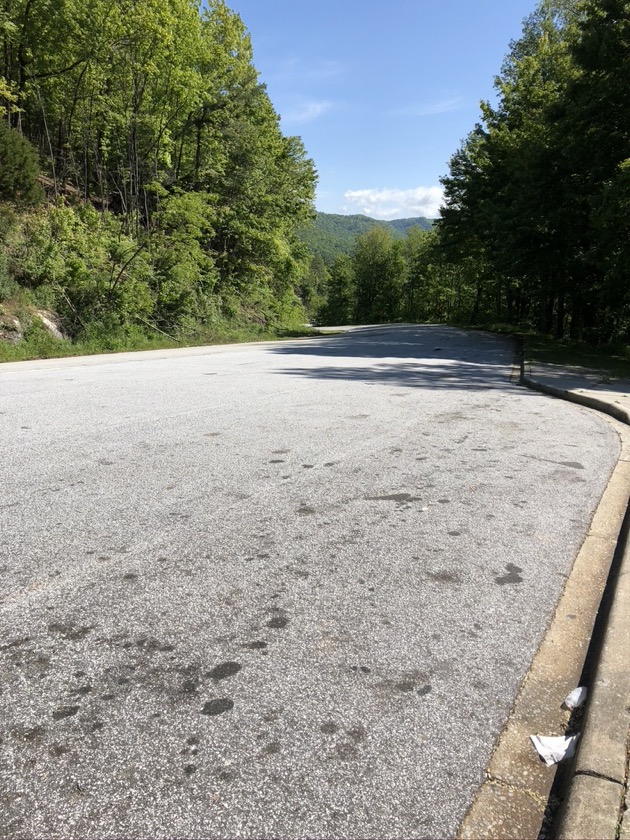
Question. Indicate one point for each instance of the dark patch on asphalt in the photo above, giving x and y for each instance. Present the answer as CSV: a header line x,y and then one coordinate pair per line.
x,y
278,622
455,533
394,497
306,510
406,683
218,706
226,776
445,576
330,463
65,712
105,463
308,466
189,769
224,670
297,571
271,749
69,631
15,643
345,751
152,646
362,668
57,750
357,733
573,464
329,728
82,690
444,501
277,461
130,576
426,689
513,575
258,645
358,417
190,686
30,734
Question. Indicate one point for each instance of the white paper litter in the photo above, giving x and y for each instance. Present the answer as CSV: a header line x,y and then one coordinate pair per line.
x,y
576,698
554,749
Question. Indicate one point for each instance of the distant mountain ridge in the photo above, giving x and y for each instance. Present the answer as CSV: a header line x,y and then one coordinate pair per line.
x,y
332,234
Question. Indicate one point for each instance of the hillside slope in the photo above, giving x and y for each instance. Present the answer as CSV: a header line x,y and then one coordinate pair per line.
x,y
331,234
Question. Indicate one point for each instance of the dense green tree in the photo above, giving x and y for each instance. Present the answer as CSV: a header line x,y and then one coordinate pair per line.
x,y
509,188
340,303
19,168
595,120
312,288
153,113
379,269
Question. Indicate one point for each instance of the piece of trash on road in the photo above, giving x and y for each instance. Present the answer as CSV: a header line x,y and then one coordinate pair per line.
x,y
553,749
576,698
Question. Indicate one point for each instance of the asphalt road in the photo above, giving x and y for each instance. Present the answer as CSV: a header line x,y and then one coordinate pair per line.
x,y
282,590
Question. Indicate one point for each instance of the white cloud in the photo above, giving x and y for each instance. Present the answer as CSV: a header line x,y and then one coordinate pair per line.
x,y
396,204
431,109
308,111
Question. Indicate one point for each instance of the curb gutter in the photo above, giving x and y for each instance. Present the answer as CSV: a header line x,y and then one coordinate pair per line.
x,y
595,803
521,797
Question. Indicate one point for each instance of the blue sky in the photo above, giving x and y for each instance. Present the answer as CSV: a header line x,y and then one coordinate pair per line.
x,y
382,93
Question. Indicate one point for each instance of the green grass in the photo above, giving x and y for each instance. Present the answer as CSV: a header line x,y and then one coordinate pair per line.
x,y
42,345
610,361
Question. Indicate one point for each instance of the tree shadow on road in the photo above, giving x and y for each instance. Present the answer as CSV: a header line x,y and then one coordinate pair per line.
x,y
427,356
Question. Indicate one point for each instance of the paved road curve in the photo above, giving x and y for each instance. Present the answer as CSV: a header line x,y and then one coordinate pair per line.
x,y
282,590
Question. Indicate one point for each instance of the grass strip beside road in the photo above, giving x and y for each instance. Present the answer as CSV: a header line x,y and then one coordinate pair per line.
x,y
611,363
44,346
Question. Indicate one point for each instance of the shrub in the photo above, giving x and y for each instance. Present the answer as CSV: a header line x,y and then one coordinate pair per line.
x,y
19,168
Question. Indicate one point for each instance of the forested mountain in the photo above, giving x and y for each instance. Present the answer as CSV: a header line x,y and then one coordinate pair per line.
x,y
401,226
330,234
172,197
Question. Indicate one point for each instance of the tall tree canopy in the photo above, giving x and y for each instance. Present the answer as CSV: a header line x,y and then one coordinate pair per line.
x,y
152,111
536,194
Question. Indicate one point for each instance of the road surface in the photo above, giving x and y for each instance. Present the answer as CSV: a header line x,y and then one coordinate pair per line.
x,y
283,590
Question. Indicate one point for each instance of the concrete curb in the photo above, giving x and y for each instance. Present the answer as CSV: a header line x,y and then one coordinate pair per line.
x,y
581,399
594,806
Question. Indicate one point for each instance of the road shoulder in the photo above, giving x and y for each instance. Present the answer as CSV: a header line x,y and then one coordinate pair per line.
x,y
517,800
